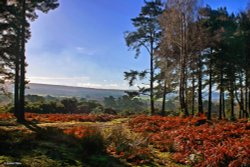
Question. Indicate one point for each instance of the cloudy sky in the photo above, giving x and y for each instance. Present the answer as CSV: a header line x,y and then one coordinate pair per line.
x,y
81,43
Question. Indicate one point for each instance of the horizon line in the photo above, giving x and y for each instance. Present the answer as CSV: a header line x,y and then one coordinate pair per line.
x,y
80,86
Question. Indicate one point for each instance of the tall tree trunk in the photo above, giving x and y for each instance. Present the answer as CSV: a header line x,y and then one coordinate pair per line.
x,y
242,110
152,77
22,65
222,99
164,98
185,61
17,76
232,106
220,105
240,104
182,67
186,94
209,117
246,96
183,104
193,93
200,101
182,92
232,117
223,104
16,96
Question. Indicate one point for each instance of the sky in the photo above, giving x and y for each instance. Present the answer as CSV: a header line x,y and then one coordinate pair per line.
x,y
81,43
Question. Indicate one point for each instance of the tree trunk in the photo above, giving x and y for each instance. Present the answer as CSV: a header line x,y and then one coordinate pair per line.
x,y
240,104
220,105
22,65
200,101
185,61
16,96
152,77
193,93
246,97
183,105
232,107
209,112
222,98
181,83
17,76
242,110
223,104
164,98
232,117
182,92
186,95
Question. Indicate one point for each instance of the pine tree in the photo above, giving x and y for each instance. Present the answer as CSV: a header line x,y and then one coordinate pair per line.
x,y
146,36
17,14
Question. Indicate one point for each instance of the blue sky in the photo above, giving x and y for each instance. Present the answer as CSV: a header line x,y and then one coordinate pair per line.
x,y
81,43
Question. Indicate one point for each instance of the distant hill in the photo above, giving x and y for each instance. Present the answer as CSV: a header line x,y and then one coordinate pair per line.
x,y
81,92
68,91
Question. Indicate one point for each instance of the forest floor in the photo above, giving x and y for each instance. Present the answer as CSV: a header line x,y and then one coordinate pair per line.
x,y
117,142
45,144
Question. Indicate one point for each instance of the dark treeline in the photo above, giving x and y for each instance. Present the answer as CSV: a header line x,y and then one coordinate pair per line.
x,y
124,105
15,16
193,49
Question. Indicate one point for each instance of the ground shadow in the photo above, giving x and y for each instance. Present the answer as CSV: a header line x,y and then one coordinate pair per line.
x,y
46,146
33,126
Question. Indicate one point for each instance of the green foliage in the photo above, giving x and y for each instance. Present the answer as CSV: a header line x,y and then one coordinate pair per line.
x,y
129,145
47,147
147,37
34,98
90,106
133,75
92,143
45,107
15,31
147,27
126,104
41,160
49,104
70,104
109,102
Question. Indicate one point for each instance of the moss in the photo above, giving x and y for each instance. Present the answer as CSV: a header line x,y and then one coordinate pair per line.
x,y
4,159
36,161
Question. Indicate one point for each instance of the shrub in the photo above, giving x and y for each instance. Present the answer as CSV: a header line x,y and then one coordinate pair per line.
x,y
90,139
196,141
129,145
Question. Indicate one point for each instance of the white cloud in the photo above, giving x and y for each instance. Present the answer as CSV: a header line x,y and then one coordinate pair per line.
x,y
70,81
80,81
60,78
89,85
101,86
85,51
